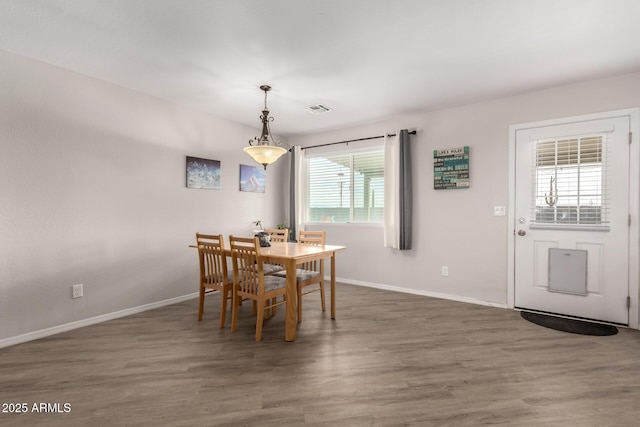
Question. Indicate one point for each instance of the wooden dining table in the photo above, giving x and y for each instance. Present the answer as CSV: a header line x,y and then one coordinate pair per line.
x,y
290,255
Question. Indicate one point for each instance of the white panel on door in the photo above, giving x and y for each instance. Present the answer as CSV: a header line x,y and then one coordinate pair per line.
x,y
541,263
595,281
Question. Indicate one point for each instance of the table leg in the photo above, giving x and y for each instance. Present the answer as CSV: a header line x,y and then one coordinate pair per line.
x,y
333,285
291,314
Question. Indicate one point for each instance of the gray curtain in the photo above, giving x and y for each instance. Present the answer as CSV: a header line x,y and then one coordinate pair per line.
x,y
293,220
406,191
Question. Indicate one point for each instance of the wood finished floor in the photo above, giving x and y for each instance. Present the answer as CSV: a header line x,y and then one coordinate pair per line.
x,y
389,359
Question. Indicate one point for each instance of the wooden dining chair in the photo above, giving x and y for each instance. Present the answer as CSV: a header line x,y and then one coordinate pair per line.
x,y
214,275
251,283
278,234
309,273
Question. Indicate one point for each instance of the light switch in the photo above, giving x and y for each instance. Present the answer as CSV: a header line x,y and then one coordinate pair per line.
x,y
498,211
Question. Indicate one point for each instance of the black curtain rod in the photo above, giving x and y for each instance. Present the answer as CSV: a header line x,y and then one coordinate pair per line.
x,y
413,132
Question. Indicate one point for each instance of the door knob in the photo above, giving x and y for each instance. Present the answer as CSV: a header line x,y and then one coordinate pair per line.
x,y
521,232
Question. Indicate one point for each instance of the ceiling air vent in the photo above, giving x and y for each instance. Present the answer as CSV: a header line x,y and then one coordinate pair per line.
x,y
318,109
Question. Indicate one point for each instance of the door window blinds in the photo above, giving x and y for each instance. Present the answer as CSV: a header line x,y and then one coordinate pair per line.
x,y
570,179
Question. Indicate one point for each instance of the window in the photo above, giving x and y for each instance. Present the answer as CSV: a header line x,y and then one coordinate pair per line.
x,y
570,184
346,187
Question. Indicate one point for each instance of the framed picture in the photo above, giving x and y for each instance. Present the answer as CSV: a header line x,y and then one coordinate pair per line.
x,y
451,168
203,173
252,179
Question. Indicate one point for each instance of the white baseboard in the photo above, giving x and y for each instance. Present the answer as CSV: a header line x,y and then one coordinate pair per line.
x,y
420,292
19,339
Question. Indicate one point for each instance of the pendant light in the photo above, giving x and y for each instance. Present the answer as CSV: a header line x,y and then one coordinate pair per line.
x,y
264,149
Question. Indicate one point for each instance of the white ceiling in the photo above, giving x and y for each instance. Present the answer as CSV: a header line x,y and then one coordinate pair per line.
x,y
366,59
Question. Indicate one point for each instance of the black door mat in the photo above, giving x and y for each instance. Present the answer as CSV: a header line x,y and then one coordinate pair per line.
x,y
569,325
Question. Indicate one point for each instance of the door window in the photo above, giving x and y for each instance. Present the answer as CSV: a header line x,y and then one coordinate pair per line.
x,y
570,181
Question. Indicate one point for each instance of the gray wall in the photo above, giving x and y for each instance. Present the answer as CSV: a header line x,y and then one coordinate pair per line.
x,y
92,191
457,228
92,187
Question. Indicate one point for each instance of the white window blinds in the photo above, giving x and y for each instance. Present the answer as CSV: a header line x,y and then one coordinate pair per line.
x,y
346,187
570,179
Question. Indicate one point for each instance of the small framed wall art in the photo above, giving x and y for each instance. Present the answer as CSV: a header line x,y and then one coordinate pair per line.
x,y
203,173
451,168
252,179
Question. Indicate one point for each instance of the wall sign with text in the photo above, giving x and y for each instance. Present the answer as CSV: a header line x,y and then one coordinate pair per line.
x,y
451,168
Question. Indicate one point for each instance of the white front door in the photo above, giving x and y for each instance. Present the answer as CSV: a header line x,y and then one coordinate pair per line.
x,y
571,219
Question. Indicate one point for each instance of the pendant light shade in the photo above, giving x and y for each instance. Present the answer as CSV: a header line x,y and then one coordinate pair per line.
x,y
264,149
265,154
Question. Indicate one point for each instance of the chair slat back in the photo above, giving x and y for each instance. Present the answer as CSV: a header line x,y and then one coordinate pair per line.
x,y
278,235
312,237
247,266
213,262
316,238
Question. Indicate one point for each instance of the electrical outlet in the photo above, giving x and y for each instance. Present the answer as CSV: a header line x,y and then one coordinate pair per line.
x,y
445,270
77,291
